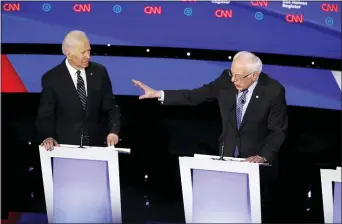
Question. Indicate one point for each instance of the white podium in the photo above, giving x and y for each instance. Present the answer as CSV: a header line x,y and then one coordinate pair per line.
x,y
331,193
217,191
82,185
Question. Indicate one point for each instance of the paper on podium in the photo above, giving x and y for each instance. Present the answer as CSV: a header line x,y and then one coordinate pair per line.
x,y
233,159
229,159
120,150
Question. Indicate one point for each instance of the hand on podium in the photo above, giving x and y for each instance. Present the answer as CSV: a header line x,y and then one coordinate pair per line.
x,y
49,143
256,159
112,139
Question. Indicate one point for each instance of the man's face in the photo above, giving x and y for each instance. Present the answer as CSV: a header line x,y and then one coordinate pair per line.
x,y
79,54
241,77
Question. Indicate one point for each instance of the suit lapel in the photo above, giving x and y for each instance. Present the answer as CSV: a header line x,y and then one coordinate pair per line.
x,y
90,83
253,103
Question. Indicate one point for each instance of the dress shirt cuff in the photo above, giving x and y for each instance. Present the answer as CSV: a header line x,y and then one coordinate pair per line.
x,y
265,160
161,99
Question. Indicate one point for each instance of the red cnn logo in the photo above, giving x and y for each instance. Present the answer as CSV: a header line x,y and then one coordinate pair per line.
x,y
82,7
291,18
220,13
153,10
260,3
329,7
11,7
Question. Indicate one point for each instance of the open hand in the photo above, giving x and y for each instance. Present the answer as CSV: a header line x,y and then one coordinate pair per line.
x,y
149,93
255,159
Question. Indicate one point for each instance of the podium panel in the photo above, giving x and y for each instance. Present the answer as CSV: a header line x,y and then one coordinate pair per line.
x,y
337,202
216,191
81,191
81,185
331,193
231,188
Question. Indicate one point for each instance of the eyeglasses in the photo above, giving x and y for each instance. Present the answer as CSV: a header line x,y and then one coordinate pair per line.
x,y
238,78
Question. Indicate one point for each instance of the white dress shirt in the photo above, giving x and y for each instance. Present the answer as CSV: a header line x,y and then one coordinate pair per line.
x,y
73,74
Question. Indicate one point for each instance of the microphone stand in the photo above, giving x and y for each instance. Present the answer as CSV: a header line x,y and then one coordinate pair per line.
x,y
81,142
82,129
222,149
221,153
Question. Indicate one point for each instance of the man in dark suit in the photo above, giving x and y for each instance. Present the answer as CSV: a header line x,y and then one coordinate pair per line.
x,y
77,100
252,105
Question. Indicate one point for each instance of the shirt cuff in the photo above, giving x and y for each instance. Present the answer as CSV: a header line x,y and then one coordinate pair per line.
x,y
265,160
161,99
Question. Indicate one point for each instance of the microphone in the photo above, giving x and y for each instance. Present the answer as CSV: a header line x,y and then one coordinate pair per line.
x,y
243,101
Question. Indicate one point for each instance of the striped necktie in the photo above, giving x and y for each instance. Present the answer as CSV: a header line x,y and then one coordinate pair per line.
x,y
81,90
239,108
84,101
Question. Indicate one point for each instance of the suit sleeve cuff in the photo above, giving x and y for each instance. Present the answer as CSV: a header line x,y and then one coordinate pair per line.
x,y
114,130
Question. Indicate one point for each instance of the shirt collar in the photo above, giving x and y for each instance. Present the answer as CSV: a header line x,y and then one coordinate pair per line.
x,y
252,87
71,69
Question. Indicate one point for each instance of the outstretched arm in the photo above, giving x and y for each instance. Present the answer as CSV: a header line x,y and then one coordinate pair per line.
x,y
207,92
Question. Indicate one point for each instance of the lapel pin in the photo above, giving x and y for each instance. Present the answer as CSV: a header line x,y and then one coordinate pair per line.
x,y
91,73
257,97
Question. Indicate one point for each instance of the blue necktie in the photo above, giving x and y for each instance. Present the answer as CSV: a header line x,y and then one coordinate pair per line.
x,y
239,108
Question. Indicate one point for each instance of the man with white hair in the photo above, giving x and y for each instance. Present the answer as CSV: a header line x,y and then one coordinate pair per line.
x,y
77,102
252,105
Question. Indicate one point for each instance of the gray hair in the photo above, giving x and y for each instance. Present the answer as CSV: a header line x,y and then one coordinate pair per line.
x,y
71,39
252,61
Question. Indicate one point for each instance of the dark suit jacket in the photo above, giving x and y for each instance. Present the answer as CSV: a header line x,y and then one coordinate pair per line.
x,y
264,125
60,113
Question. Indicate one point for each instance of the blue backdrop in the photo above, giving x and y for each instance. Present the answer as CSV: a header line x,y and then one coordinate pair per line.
x,y
295,28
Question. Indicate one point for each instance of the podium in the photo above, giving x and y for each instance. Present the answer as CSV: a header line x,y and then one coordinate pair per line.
x,y
220,191
81,185
331,194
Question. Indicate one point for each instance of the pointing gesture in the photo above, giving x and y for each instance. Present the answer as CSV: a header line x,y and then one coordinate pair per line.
x,y
149,93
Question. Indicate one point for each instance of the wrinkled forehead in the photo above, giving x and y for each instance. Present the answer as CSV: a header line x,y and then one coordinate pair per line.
x,y
81,45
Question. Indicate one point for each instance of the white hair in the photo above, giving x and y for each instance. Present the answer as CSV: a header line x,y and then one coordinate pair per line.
x,y
71,39
252,61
